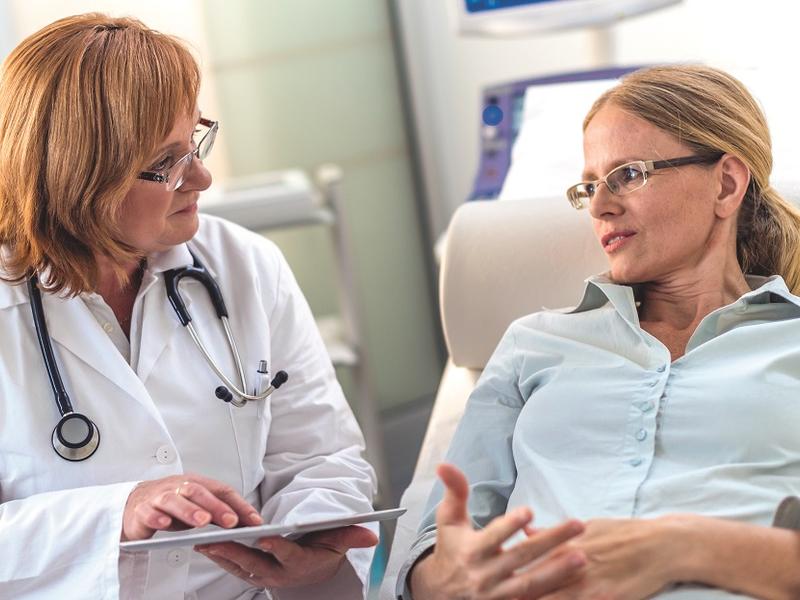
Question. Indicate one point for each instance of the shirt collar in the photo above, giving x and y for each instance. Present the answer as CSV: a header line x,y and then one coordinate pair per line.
x,y
600,290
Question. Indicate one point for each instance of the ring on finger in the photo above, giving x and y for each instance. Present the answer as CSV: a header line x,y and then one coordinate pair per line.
x,y
178,489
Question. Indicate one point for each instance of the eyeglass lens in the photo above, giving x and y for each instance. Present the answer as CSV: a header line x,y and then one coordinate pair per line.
x,y
178,171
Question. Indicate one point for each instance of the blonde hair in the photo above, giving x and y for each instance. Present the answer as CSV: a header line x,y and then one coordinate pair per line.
x,y
84,103
713,112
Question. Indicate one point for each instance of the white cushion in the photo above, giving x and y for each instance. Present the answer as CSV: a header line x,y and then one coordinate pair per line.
x,y
504,260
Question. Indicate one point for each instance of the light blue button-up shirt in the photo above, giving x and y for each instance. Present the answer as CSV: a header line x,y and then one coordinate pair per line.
x,y
583,414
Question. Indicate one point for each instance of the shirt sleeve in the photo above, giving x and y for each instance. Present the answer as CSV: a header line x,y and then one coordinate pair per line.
x,y
56,543
482,449
314,460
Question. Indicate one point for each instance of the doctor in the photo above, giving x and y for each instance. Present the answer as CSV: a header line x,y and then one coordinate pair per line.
x,y
101,147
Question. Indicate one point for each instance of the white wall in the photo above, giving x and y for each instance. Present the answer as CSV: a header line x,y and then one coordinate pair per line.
x,y
447,72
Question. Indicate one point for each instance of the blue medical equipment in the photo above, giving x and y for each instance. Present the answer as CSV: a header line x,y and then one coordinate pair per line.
x,y
497,140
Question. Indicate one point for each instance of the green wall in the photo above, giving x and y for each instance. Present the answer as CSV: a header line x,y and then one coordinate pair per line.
x,y
305,82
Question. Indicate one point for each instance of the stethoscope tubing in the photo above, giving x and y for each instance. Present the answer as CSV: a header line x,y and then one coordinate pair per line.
x,y
43,336
86,438
73,451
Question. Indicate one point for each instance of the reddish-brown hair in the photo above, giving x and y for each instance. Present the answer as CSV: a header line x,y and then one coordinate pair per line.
x,y
84,103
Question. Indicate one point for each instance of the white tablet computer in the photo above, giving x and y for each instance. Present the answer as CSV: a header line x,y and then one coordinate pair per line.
x,y
212,534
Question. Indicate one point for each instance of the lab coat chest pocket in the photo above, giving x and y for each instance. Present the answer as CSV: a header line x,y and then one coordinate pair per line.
x,y
251,425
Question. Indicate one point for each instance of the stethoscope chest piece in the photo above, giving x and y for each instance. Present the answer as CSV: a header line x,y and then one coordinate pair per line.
x,y
75,437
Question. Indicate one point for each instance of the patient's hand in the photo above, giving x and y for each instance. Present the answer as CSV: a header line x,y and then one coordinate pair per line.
x,y
469,564
628,559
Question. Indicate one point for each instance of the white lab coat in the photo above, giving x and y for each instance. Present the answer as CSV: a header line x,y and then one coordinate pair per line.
x,y
297,456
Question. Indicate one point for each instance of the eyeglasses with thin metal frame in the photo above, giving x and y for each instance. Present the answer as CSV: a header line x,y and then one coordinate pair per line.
x,y
631,176
175,174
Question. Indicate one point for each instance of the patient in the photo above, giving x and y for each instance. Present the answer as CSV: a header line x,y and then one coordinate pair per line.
x,y
653,429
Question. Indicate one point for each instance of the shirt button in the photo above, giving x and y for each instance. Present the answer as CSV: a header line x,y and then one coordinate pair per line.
x,y
165,454
175,558
662,368
108,327
646,406
641,435
635,462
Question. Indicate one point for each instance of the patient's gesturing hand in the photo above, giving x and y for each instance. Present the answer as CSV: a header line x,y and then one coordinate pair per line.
x,y
470,564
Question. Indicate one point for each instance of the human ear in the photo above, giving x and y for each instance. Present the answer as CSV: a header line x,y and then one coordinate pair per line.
x,y
734,177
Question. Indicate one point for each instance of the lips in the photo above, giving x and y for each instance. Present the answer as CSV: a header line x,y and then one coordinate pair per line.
x,y
188,208
615,239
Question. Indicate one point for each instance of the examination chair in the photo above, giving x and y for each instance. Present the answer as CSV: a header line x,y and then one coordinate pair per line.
x,y
502,260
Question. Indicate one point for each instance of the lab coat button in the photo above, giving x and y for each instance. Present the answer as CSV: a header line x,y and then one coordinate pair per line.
x,y
165,454
641,435
108,327
176,558
635,462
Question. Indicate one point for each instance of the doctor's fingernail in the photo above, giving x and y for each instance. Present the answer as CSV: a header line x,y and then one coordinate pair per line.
x,y
201,517
255,518
229,519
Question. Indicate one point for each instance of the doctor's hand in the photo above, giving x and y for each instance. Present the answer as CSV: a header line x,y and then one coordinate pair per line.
x,y
471,565
183,502
281,563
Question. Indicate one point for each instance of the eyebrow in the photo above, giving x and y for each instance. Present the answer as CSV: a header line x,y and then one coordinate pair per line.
x,y
175,145
586,175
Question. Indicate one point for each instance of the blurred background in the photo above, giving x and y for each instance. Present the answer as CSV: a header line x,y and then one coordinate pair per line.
x,y
392,95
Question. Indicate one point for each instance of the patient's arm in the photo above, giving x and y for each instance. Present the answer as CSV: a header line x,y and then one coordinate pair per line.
x,y
631,559
757,561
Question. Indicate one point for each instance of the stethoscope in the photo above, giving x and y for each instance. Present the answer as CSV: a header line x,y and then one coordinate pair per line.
x,y
75,436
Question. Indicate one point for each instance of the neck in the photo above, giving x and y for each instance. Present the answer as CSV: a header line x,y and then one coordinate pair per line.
x,y
108,284
681,300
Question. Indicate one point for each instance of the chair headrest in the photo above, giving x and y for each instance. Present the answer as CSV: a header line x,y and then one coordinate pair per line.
x,y
507,259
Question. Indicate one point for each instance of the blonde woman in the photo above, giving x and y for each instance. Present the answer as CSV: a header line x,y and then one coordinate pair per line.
x,y
112,424
653,430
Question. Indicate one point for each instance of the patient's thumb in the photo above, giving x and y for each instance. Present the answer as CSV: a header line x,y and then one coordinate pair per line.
x,y
453,507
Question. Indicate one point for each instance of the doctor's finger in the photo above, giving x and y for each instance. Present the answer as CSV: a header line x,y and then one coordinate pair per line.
x,y
187,510
232,499
148,516
220,512
261,572
341,539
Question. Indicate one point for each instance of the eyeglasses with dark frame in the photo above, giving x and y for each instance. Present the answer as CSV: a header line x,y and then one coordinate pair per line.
x,y
175,174
631,176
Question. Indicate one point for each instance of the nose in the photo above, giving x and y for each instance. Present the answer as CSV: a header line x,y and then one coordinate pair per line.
x,y
197,177
604,203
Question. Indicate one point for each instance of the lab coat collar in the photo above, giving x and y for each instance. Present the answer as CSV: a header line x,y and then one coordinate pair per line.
x,y
175,258
73,328
172,258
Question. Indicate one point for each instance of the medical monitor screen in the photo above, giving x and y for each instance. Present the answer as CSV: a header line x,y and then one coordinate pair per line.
x,y
475,6
504,18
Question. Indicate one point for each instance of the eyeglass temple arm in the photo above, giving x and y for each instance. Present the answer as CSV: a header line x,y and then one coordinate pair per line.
x,y
686,160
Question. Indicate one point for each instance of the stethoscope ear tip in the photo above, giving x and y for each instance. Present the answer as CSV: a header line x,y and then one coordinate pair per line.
x,y
280,378
223,394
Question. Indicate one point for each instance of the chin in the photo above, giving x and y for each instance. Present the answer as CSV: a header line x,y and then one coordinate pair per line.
x,y
626,275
